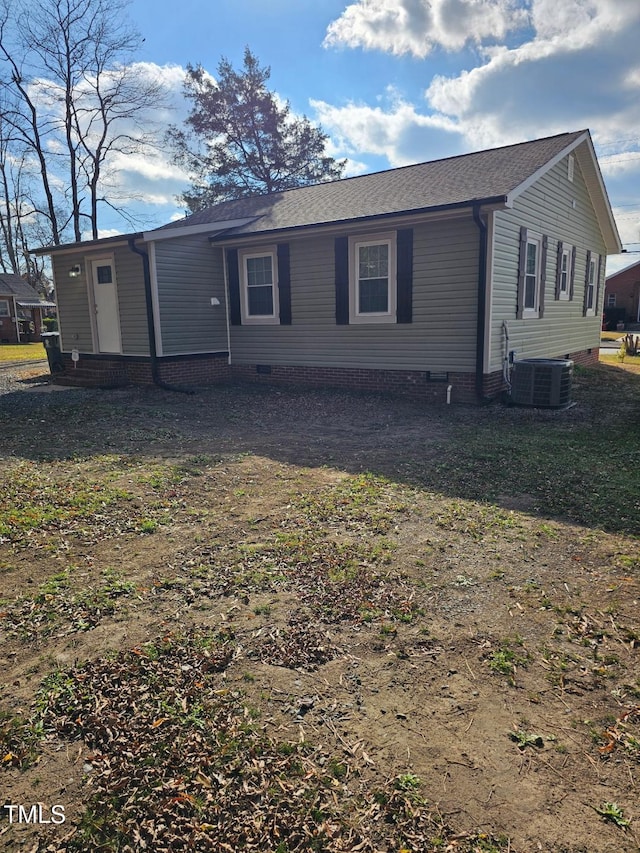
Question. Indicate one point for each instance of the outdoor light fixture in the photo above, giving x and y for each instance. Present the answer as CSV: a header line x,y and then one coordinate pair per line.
x,y
75,271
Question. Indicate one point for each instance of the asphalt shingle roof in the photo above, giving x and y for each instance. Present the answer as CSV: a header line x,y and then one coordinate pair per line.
x,y
15,285
453,181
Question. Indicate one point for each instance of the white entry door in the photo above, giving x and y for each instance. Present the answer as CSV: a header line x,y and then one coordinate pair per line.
x,y
105,300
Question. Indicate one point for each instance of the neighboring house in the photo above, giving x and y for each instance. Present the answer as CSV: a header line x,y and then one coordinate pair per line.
x,y
622,294
20,310
408,279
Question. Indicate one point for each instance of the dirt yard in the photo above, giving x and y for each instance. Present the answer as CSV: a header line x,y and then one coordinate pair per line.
x,y
274,620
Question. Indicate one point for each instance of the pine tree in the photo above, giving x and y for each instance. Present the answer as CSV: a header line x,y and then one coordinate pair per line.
x,y
241,141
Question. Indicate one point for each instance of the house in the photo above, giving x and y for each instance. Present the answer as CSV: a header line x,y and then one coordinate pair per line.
x,y
417,279
622,295
20,310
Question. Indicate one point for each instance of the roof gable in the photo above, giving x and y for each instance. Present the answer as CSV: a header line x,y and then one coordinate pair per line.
x,y
582,148
493,175
623,272
15,285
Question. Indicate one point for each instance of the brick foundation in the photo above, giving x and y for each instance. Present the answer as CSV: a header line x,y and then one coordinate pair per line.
x,y
94,371
585,358
493,385
415,384
103,371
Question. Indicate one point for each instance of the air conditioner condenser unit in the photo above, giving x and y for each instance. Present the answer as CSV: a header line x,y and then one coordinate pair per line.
x,y
542,382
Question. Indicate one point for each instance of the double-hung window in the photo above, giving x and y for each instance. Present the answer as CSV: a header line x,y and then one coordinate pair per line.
x,y
532,277
591,283
259,290
565,273
4,308
532,274
373,279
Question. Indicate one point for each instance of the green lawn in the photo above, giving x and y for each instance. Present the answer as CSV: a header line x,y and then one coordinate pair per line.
x,y
21,352
631,362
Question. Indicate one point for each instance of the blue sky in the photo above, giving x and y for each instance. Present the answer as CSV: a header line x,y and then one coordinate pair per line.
x,y
403,81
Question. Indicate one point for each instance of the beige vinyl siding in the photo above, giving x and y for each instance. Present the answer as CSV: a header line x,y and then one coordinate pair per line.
x,y
72,298
132,303
75,300
189,273
546,208
441,336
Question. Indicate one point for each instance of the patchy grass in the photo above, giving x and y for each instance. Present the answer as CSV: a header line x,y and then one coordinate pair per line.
x,y
558,464
271,620
22,352
630,363
60,608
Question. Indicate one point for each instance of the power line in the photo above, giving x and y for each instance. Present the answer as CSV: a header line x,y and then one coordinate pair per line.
x,y
631,157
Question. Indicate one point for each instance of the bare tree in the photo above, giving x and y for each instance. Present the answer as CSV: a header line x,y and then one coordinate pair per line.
x,y
75,100
18,217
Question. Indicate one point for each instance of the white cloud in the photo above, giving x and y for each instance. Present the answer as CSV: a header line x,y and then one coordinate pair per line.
x,y
628,222
418,26
102,232
396,133
355,167
575,72
152,165
581,22
573,67
618,165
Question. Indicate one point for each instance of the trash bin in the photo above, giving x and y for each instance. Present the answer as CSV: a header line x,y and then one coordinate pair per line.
x,y
51,342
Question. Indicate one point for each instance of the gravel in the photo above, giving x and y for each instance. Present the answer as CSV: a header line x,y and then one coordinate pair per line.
x,y
19,386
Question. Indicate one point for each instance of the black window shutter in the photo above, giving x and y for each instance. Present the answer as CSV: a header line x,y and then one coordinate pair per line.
x,y
543,274
341,249
284,284
234,287
404,250
522,260
573,272
586,285
559,269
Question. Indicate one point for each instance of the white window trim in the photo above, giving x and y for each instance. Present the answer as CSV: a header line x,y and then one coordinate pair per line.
x,y
564,294
8,312
272,319
610,303
593,264
527,313
355,243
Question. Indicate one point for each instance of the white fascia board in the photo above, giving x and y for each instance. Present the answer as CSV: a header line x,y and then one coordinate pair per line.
x,y
188,230
544,169
85,248
603,190
605,205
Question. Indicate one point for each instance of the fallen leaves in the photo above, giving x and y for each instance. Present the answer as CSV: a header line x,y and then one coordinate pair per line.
x,y
202,775
619,734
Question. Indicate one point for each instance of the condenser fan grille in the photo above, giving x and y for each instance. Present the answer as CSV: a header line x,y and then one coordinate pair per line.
x,y
542,382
